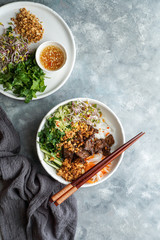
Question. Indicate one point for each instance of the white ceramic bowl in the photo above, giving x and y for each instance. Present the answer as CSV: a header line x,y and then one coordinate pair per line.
x,y
113,122
40,49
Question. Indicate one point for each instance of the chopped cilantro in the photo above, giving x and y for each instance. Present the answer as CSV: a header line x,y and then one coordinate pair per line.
x,y
24,79
50,136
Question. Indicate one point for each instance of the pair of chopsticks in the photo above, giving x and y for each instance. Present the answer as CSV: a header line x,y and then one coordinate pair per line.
x,y
67,191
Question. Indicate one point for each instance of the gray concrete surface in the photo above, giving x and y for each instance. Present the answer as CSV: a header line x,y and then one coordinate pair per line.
x,y
118,63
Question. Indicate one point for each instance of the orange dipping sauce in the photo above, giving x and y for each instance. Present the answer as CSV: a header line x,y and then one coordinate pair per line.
x,y
52,58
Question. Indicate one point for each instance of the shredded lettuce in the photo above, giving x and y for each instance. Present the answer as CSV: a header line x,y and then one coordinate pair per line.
x,y
62,121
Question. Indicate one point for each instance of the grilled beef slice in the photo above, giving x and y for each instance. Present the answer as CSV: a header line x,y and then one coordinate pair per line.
x,y
82,153
109,140
67,154
89,146
99,144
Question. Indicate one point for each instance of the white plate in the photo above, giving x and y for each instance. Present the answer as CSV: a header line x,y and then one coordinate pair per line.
x,y
55,29
113,122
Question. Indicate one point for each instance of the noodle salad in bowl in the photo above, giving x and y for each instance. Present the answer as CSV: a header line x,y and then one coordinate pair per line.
x,y
74,136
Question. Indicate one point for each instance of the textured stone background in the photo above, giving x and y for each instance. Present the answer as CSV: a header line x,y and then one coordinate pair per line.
x,y
118,63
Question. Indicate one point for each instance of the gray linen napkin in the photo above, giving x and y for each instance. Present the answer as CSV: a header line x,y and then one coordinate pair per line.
x,y
24,209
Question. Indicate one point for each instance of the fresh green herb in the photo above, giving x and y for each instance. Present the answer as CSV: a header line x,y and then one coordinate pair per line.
x,y
24,79
8,31
50,136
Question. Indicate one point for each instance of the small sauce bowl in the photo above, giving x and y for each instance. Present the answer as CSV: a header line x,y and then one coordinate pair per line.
x,y
51,56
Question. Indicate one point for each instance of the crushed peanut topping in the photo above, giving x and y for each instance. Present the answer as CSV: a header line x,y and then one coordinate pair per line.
x,y
73,139
28,26
72,170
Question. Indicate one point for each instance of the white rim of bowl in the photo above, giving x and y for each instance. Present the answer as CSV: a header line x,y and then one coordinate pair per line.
x,y
81,99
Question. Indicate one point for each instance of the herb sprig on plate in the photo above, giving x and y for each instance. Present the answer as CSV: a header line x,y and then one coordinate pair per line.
x,y
24,79
48,139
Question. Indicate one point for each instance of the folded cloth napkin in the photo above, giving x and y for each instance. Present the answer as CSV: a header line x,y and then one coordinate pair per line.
x,y
24,209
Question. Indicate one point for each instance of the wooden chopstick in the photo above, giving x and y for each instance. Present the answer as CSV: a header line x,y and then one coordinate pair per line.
x,y
85,177
103,161
68,190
